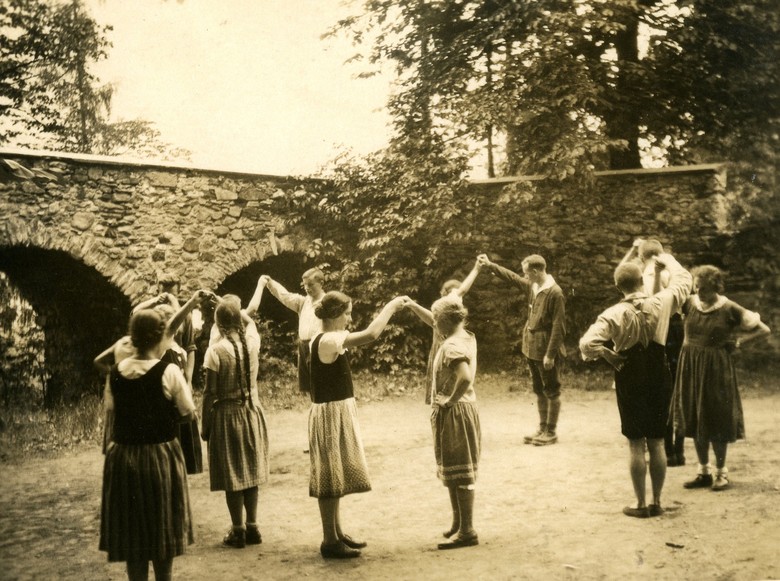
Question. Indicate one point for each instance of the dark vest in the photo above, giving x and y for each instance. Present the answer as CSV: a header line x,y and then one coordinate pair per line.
x,y
329,381
142,413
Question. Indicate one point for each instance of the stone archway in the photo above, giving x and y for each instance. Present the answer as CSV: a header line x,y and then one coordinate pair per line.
x,y
79,310
278,325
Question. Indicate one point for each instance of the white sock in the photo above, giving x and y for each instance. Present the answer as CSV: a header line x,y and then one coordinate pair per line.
x,y
705,469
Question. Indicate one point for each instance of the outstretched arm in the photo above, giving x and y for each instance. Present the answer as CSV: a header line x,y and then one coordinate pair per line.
x,y
292,301
422,313
503,273
150,303
176,320
374,330
254,302
633,252
465,286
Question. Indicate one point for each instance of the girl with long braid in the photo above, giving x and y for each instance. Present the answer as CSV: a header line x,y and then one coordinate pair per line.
x,y
233,422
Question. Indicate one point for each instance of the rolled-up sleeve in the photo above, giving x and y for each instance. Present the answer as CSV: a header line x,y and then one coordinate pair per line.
x,y
592,342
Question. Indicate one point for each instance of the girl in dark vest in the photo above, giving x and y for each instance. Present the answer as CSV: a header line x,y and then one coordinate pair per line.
x,y
145,511
338,463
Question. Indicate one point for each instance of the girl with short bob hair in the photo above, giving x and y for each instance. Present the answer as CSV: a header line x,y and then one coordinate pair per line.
x,y
706,405
455,419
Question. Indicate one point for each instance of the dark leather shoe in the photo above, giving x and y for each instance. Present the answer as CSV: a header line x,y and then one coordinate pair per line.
x,y
701,481
352,543
338,550
235,538
253,536
636,512
654,510
459,541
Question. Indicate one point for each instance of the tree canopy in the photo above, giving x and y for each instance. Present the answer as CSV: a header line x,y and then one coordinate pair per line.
x,y
49,96
573,85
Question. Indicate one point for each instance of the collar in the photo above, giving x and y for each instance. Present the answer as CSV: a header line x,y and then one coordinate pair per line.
x,y
721,300
548,283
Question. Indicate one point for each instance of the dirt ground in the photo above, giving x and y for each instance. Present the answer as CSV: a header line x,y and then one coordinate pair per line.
x,y
548,512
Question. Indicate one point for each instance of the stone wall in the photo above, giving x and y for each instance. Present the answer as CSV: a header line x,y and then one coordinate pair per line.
x,y
133,222
584,234
94,237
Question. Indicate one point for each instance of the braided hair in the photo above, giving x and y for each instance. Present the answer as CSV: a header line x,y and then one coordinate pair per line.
x,y
228,318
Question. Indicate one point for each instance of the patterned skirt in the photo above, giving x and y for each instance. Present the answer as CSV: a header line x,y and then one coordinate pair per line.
x,y
237,447
457,443
338,462
145,510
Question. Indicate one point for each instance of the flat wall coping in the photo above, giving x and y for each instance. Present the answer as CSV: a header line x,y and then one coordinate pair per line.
x,y
146,164
130,162
677,169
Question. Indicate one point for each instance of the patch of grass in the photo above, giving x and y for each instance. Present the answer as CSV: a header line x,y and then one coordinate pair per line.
x,y
27,433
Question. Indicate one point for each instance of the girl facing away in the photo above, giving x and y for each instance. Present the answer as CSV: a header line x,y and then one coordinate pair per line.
x,y
145,509
233,421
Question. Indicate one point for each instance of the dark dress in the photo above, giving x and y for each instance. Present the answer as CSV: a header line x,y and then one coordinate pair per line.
x,y
706,404
187,432
145,511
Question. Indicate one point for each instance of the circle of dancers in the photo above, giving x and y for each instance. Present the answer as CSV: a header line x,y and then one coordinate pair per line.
x,y
670,340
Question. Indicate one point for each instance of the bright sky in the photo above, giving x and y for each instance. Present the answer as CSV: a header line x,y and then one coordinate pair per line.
x,y
245,85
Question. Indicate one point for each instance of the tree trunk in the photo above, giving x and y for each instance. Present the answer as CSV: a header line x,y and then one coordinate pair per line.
x,y
623,121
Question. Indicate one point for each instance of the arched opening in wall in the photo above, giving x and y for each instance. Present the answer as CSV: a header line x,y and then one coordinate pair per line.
x,y
277,324
79,312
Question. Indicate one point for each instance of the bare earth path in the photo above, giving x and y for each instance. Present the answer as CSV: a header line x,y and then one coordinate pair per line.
x,y
552,513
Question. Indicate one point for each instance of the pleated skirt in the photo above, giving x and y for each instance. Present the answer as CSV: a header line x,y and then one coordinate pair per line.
x,y
237,447
145,511
338,461
457,443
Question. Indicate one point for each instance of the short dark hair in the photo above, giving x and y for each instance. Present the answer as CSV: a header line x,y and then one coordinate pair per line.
x,y
146,329
534,262
628,277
